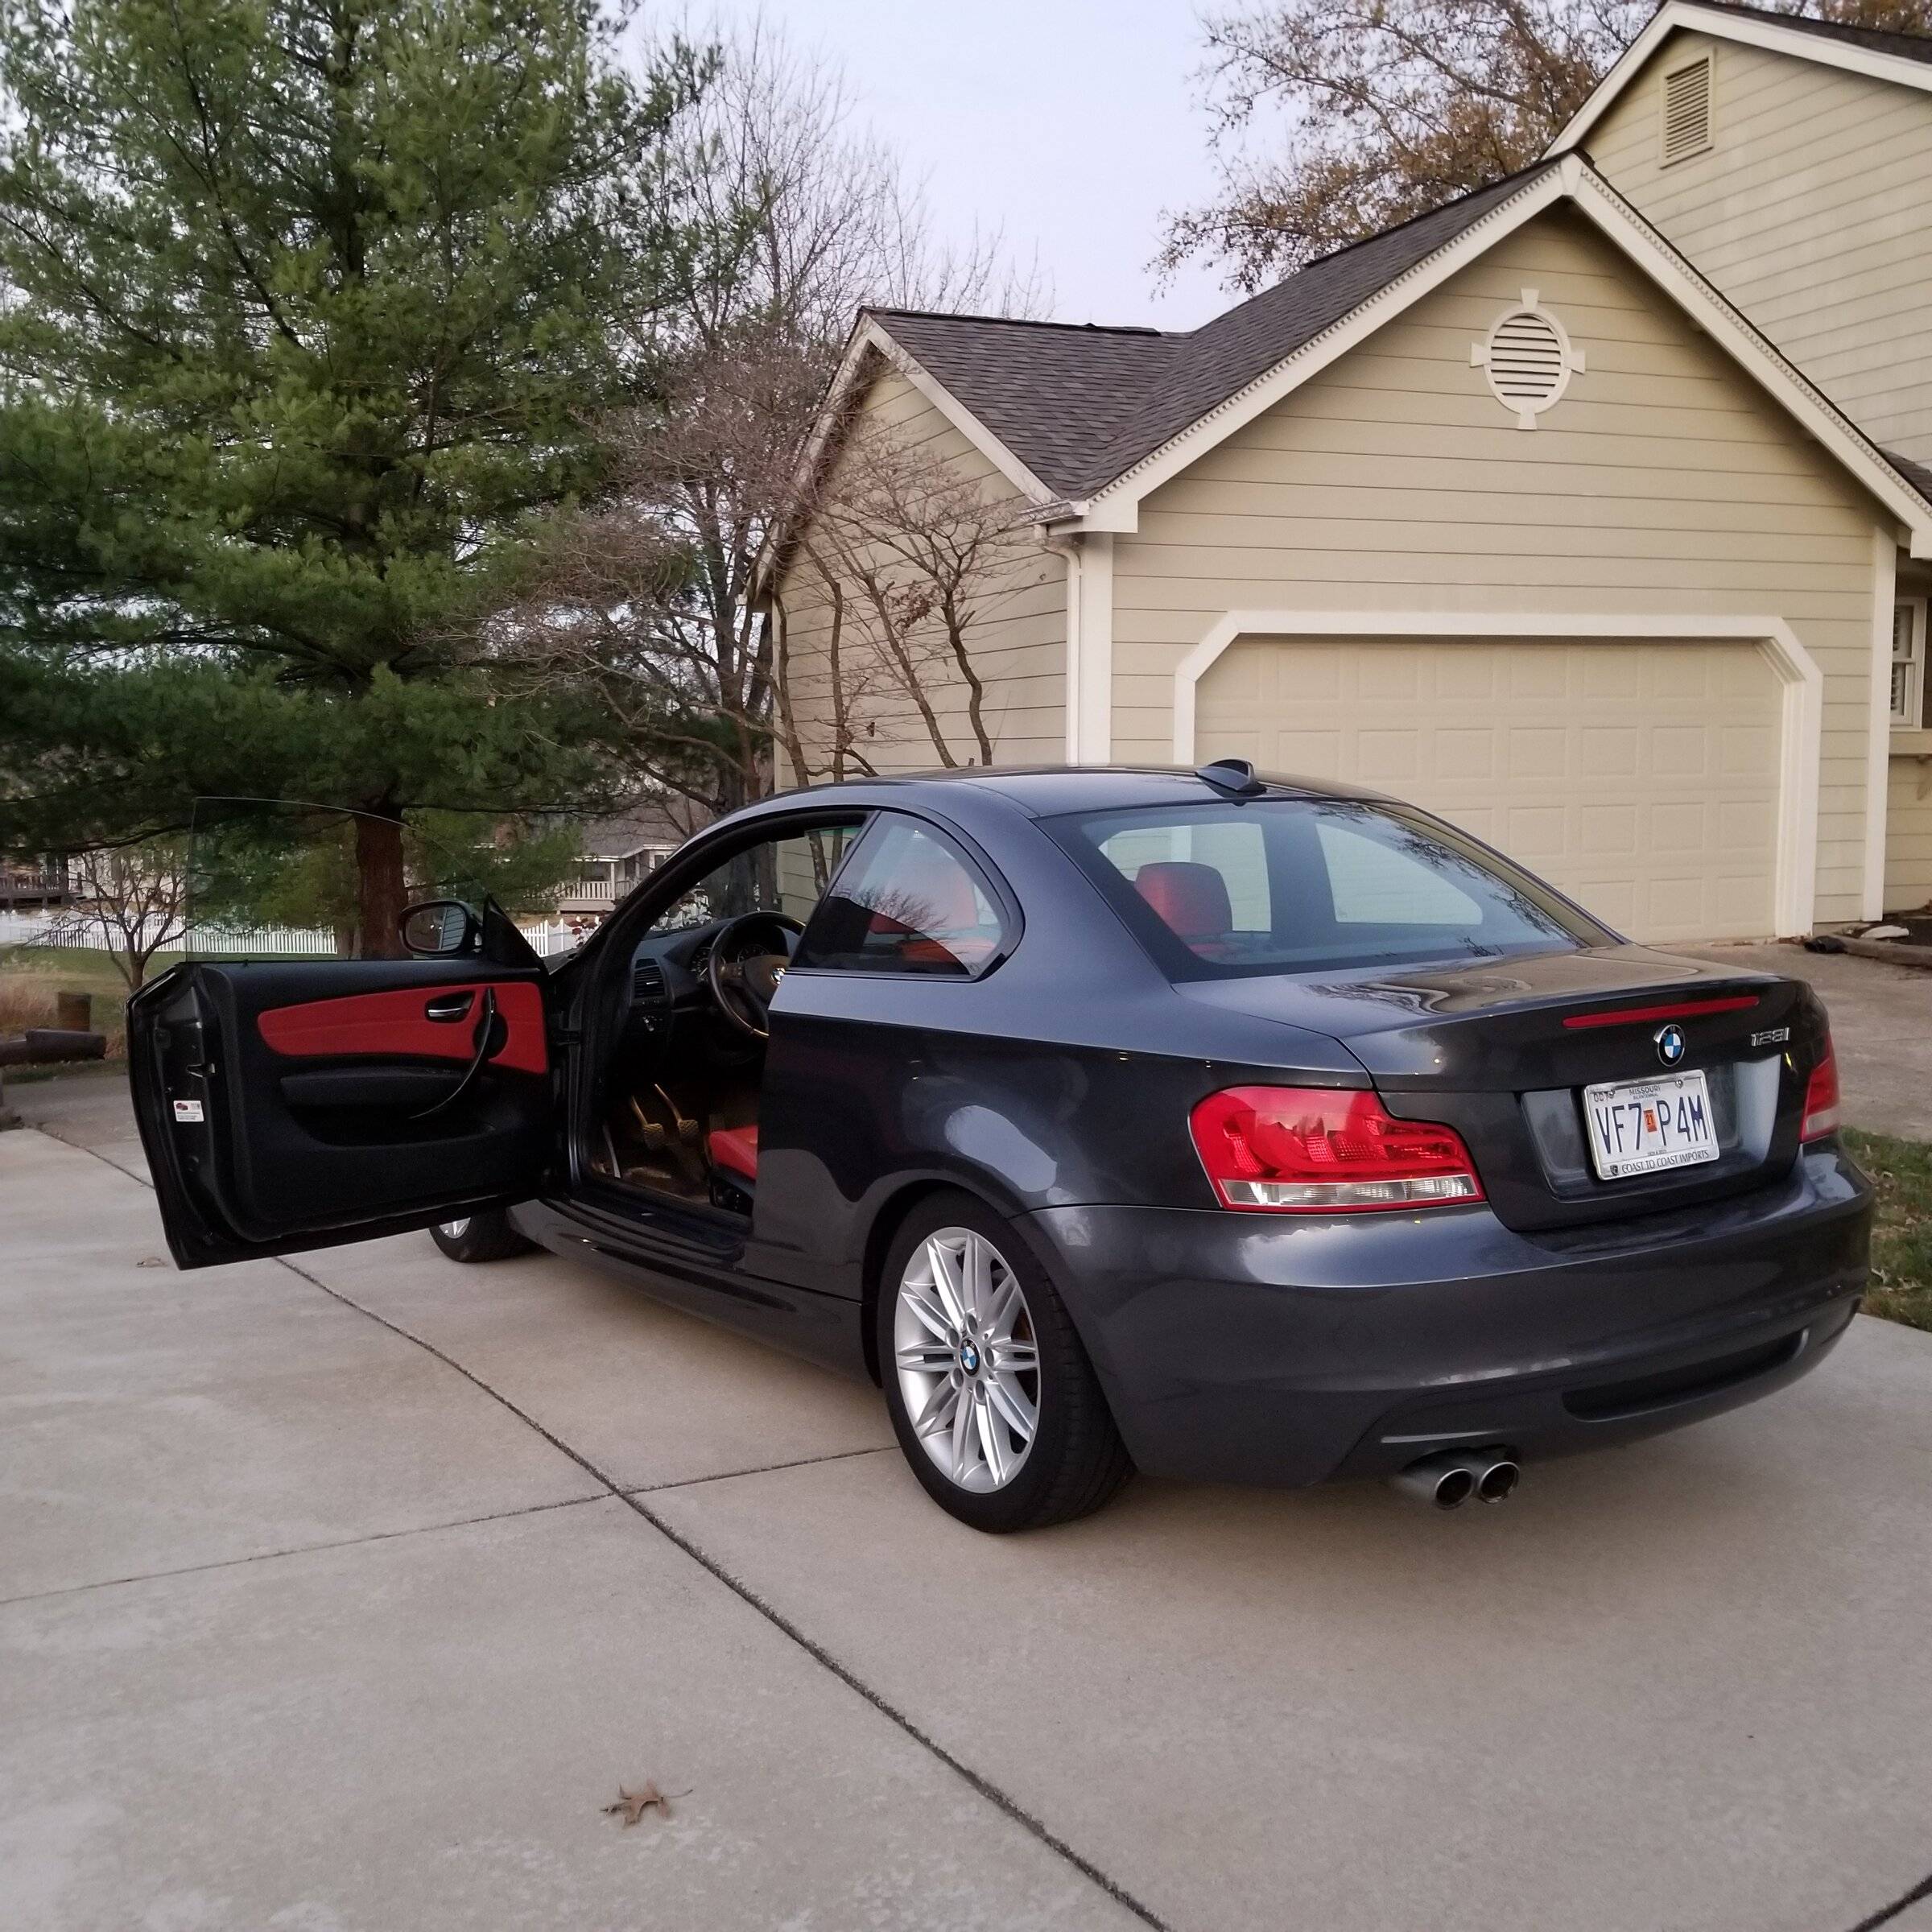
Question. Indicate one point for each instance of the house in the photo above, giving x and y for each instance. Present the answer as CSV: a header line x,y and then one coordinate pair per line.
x,y
1520,509
1791,160
618,852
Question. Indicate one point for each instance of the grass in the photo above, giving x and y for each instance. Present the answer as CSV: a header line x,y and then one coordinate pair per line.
x,y
1901,1242
30,977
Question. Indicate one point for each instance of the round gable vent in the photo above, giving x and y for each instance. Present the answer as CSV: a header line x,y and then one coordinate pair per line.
x,y
1529,360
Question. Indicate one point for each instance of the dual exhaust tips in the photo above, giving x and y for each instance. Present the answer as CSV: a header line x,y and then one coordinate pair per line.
x,y
1448,1481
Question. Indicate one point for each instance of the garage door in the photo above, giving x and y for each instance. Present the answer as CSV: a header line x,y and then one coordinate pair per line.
x,y
1642,777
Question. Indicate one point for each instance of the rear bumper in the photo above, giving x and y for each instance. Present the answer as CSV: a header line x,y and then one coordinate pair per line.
x,y
1244,1348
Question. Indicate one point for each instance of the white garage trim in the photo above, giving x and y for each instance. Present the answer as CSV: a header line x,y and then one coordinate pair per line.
x,y
1878,755
1796,886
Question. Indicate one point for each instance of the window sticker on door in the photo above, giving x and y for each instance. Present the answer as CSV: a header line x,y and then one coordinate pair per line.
x,y
187,1110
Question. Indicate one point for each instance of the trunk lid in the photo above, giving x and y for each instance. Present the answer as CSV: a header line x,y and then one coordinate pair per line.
x,y
1502,1051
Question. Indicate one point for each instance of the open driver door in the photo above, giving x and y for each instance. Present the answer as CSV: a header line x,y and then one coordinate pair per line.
x,y
287,1105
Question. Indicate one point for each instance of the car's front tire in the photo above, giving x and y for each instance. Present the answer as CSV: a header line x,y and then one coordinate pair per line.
x,y
992,1396
480,1237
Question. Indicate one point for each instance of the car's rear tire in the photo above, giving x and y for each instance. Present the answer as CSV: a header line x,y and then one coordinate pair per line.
x,y
994,1403
480,1237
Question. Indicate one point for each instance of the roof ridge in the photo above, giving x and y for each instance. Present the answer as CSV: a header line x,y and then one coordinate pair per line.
x,y
1394,228
1772,17
961,315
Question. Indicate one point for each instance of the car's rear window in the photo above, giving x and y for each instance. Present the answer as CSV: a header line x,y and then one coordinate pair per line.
x,y
1291,884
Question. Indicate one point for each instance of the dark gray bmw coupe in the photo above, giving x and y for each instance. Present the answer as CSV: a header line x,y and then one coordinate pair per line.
x,y
1245,1130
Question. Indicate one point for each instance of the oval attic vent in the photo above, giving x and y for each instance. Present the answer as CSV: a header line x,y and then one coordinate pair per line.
x,y
1528,360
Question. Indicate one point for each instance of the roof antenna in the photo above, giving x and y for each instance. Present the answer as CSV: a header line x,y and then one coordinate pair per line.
x,y
1233,776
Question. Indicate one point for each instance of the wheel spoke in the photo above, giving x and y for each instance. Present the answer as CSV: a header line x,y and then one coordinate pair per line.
x,y
962,1437
929,1357
930,1316
976,1285
1008,1303
1016,1358
998,1460
946,1280
939,1411
1007,1398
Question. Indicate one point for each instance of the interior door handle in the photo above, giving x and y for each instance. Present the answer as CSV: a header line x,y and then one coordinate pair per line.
x,y
449,1007
487,1043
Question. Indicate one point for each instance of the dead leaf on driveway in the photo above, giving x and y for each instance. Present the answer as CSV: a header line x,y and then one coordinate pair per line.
x,y
633,1804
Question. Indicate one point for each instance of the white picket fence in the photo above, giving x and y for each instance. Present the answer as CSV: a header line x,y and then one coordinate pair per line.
x,y
252,942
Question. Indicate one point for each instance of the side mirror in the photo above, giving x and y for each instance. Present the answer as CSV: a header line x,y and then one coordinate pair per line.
x,y
439,929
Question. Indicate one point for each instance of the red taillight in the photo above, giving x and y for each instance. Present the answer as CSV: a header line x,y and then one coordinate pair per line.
x,y
1325,1151
1820,1098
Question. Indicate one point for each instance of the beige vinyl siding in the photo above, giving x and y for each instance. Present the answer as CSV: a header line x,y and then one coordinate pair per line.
x,y
1020,647
1664,484
1809,211
1909,823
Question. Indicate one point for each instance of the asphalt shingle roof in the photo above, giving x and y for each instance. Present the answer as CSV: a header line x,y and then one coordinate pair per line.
x,y
1879,40
1917,474
1080,406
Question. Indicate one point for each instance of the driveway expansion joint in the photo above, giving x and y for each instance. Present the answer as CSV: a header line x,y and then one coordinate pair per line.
x,y
1886,1914
633,1501
268,1556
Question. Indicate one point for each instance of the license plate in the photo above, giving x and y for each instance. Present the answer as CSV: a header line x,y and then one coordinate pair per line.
x,y
1645,1126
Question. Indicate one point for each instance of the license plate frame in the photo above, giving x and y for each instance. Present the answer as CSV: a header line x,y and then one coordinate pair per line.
x,y
1650,1126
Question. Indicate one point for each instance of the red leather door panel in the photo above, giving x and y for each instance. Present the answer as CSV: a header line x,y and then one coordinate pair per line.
x,y
396,1023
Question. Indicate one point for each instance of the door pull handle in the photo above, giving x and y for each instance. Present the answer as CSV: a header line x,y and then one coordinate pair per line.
x,y
487,1046
449,1007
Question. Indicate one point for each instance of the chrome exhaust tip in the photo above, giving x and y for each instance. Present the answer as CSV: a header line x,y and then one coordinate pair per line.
x,y
1498,1473
1444,1482
1450,1478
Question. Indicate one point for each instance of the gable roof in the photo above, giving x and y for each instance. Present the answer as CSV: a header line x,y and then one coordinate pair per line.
x,y
1877,52
1080,405
1085,422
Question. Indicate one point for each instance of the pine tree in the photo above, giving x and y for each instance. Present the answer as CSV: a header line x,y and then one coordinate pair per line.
x,y
306,308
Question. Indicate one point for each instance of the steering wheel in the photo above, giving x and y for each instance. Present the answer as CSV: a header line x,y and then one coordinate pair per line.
x,y
742,981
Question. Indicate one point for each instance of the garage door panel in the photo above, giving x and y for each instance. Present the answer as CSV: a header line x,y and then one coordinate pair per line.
x,y
1641,777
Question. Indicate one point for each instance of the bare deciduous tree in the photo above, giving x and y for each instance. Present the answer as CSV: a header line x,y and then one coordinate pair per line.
x,y
909,556
1337,118
131,900
646,594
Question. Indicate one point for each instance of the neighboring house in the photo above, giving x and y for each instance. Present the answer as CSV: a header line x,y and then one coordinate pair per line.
x,y
619,852
1509,511
38,883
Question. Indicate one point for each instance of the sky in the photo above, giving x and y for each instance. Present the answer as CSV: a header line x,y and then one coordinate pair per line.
x,y
1067,124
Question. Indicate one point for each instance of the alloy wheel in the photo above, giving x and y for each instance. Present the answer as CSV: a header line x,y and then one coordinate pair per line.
x,y
455,1231
968,1359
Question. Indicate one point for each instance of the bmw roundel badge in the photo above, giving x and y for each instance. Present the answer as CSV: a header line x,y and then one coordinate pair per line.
x,y
1670,1044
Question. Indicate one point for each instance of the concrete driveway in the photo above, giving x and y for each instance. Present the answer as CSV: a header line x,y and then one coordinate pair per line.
x,y
1881,1026
341,1596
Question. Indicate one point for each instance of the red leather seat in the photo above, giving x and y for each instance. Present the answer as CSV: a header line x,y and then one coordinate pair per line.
x,y
1191,898
736,1150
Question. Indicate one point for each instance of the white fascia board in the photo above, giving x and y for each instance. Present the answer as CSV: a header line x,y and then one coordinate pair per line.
x,y
869,339
1122,497
1574,182
959,415
1810,407
1687,16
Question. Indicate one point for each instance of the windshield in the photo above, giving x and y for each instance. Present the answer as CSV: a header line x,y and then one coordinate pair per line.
x,y
1297,884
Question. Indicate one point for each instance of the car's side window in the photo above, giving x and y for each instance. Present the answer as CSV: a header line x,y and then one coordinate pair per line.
x,y
908,902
